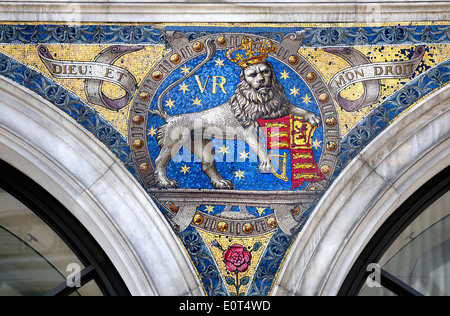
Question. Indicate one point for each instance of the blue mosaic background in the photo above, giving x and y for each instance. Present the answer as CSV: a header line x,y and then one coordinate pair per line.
x,y
231,162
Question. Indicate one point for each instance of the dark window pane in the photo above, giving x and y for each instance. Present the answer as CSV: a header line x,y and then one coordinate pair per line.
x,y
33,258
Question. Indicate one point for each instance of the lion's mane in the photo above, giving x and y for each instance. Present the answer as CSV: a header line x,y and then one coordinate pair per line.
x,y
248,105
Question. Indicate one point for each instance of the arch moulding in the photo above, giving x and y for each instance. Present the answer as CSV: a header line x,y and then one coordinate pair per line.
x,y
72,165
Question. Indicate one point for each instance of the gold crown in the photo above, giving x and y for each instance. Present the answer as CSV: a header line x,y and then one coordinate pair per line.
x,y
251,52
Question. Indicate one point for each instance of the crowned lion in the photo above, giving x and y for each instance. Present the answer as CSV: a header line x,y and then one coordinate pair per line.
x,y
258,95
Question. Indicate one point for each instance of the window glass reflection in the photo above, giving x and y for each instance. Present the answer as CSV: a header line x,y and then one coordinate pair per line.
x,y
89,289
420,256
33,258
375,291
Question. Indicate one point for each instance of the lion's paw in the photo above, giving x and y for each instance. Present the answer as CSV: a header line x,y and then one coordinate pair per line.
x,y
167,183
222,184
313,119
265,167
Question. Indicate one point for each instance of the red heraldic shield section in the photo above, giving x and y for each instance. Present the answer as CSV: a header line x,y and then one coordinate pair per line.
x,y
290,139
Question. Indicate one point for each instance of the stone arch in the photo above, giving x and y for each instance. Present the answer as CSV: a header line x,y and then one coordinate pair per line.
x,y
391,168
78,170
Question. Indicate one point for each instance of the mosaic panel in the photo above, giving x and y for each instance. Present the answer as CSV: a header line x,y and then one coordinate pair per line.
x,y
234,130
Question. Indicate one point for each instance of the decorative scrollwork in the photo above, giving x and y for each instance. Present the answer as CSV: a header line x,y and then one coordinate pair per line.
x,y
80,34
204,263
269,264
70,104
359,136
408,96
136,34
5,65
377,120
394,34
377,35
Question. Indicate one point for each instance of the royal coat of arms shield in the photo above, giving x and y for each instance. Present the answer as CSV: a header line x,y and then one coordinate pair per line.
x,y
290,141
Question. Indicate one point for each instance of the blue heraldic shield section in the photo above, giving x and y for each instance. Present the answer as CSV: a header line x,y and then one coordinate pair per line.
x,y
289,141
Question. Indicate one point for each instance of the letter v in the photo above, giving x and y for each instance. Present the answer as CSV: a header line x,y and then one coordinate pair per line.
x,y
199,82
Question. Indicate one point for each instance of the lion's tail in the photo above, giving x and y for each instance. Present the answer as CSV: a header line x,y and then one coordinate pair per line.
x,y
210,52
162,114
